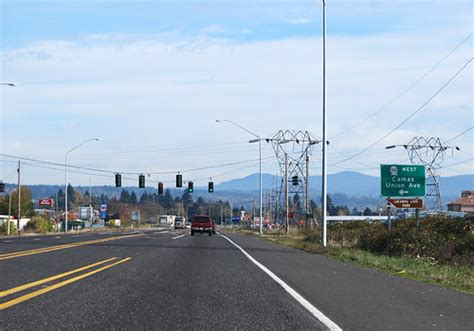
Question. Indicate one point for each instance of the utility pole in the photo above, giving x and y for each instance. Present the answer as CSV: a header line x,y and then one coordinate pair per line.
x,y
307,190
253,215
9,212
222,214
287,221
19,200
277,198
57,212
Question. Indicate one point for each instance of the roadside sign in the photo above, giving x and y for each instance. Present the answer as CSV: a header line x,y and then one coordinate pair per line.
x,y
402,180
46,202
235,219
406,203
103,211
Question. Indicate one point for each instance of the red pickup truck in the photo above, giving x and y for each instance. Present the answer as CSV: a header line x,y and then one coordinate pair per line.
x,y
203,224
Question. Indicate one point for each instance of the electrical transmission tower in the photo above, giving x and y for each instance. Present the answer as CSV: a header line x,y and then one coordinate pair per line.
x,y
430,152
292,149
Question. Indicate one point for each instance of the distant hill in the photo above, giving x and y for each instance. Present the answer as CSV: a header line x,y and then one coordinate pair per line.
x,y
349,183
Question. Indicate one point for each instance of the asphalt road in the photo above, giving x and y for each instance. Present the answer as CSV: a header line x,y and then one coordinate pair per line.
x,y
171,280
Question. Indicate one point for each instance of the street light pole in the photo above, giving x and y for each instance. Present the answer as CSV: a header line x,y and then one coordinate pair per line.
x,y
324,156
65,177
259,139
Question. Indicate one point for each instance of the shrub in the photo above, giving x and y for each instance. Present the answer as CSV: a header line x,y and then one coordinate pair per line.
x,y
40,224
4,227
440,239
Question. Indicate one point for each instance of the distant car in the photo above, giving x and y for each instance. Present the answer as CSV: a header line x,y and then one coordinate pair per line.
x,y
179,223
203,224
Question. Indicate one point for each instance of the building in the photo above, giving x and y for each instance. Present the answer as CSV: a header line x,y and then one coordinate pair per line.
x,y
464,204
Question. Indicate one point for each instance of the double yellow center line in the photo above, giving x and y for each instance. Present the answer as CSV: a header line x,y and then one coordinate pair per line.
x,y
57,285
13,255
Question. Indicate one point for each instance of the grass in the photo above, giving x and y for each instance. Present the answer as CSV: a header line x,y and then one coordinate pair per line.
x,y
460,278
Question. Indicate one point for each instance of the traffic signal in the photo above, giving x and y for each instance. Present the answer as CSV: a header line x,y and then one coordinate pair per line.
x,y
2,187
179,180
160,188
118,180
141,181
190,187
210,187
294,180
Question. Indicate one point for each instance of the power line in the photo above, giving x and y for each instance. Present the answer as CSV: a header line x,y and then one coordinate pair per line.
x,y
458,163
410,116
133,173
405,90
459,135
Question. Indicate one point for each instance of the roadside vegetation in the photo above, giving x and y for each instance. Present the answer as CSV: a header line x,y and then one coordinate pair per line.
x,y
440,251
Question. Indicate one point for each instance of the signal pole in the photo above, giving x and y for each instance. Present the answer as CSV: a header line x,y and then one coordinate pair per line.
x,y
19,200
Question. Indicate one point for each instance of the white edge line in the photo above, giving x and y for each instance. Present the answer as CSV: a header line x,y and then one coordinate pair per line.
x,y
305,303
177,237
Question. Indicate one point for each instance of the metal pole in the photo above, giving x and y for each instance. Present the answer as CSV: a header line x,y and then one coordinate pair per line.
x,y
19,200
307,190
90,203
253,215
9,212
261,201
286,195
57,212
222,215
389,218
65,192
417,218
324,157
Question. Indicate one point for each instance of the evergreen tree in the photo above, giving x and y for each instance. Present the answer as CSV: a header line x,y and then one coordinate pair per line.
x,y
168,201
367,211
145,197
124,196
187,198
71,197
133,198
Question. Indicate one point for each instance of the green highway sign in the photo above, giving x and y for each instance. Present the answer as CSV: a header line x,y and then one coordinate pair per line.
x,y
402,180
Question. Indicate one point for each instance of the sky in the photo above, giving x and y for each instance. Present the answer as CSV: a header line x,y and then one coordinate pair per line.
x,y
150,78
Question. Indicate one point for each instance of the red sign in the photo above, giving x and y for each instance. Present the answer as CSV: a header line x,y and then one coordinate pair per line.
x,y
406,203
46,202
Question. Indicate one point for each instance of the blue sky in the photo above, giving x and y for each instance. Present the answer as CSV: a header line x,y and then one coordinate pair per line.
x,y
150,78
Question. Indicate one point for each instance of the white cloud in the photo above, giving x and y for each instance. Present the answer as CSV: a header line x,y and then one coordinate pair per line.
x,y
297,21
149,92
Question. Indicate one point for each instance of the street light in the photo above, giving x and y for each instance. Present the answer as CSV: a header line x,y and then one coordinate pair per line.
x,y
324,156
7,84
65,177
259,140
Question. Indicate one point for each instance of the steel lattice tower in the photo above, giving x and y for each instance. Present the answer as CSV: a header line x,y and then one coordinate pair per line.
x,y
430,152
296,144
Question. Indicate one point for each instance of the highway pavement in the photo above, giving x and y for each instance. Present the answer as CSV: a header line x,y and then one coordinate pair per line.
x,y
169,280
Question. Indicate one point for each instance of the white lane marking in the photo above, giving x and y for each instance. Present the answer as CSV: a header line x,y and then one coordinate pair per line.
x,y
160,232
305,303
8,241
58,237
36,239
177,237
